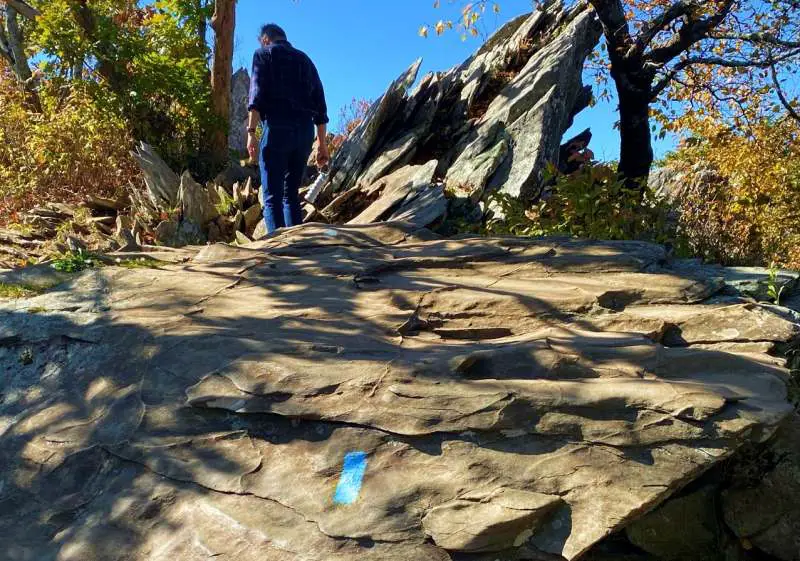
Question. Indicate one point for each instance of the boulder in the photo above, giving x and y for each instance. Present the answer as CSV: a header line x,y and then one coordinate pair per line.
x,y
214,233
96,202
395,155
372,392
766,512
242,239
394,190
260,230
196,203
537,104
166,232
252,216
238,221
162,183
471,171
172,233
236,173
686,527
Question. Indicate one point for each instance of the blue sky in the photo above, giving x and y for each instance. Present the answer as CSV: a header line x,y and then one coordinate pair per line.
x,y
360,46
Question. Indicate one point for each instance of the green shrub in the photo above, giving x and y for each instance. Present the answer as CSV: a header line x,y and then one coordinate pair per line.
x,y
592,203
73,262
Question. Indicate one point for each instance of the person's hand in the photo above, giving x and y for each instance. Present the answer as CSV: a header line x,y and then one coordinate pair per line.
x,y
323,155
252,146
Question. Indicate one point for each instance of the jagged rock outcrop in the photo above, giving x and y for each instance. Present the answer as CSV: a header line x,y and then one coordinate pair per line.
x,y
240,98
492,123
374,392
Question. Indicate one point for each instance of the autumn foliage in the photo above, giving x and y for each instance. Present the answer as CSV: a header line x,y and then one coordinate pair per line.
x,y
741,199
71,149
350,117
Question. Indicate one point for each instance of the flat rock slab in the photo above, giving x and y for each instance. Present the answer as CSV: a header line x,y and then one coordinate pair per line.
x,y
372,392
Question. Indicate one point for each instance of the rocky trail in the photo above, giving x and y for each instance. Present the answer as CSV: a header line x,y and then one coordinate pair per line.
x,y
363,388
374,392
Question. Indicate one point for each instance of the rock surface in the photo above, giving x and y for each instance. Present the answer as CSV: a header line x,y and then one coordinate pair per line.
x,y
371,392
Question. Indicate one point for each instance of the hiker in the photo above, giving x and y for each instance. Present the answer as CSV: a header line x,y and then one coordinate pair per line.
x,y
287,98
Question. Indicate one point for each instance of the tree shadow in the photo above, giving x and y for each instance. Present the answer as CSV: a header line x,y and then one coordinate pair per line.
x,y
103,458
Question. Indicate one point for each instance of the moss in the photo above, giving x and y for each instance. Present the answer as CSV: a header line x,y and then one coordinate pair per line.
x,y
18,290
140,263
37,310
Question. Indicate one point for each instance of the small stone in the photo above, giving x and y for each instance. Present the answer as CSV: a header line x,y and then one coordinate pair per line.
x,y
165,232
260,231
252,216
123,222
238,221
75,245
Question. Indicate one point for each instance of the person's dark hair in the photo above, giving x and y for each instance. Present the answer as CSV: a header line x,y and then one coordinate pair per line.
x,y
273,32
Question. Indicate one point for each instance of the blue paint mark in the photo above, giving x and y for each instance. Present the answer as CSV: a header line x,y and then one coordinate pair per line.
x,y
355,464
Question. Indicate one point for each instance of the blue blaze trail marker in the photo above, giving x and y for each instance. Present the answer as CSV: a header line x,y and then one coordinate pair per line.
x,y
355,464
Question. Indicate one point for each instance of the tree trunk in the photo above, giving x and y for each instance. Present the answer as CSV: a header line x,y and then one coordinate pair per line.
x,y
15,42
16,46
106,66
77,69
636,148
223,23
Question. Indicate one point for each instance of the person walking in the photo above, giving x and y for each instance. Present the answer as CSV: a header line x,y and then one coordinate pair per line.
x,y
288,100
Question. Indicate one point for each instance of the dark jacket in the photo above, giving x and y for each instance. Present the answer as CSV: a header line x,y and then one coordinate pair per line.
x,y
285,84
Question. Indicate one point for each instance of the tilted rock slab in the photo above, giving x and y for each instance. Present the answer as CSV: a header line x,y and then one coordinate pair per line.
x,y
372,392
491,123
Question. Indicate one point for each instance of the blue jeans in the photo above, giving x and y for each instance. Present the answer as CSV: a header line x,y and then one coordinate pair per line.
x,y
285,148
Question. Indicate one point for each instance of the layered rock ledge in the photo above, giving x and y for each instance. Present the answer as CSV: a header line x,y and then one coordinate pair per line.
x,y
373,392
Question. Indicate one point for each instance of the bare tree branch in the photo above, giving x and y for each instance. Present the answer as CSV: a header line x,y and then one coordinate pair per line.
x,y
658,24
689,34
23,8
781,96
758,39
662,84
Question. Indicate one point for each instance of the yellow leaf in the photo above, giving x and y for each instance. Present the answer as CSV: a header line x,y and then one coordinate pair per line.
x,y
439,27
423,31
